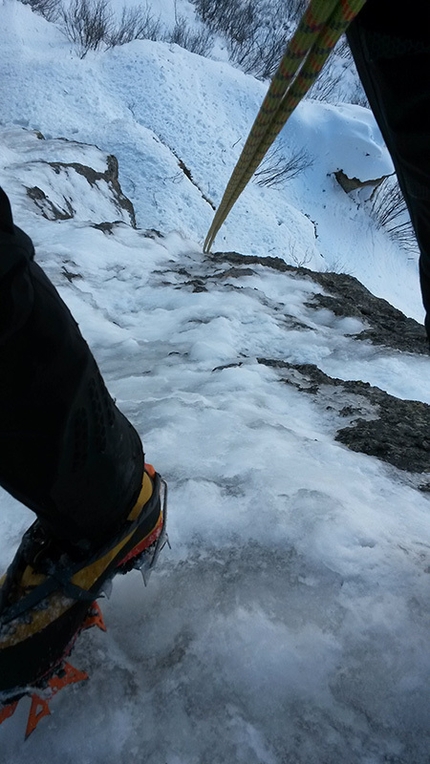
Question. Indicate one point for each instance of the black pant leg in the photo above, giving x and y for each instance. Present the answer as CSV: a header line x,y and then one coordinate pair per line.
x,y
391,49
66,451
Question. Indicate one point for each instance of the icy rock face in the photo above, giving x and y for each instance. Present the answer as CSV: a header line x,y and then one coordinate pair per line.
x,y
386,325
65,179
381,425
105,183
344,295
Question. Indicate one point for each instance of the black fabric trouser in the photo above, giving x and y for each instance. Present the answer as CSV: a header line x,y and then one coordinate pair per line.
x,y
390,44
66,451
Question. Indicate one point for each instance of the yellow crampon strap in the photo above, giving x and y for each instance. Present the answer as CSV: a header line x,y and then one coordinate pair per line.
x,y
320,27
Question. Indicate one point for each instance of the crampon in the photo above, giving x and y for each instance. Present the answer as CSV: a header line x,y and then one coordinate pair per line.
x,y
56,671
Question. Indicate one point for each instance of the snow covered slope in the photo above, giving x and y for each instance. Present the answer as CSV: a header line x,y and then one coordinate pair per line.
x,y
289,621
177,122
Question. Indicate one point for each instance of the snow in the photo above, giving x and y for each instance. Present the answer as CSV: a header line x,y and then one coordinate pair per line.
x,y
289,621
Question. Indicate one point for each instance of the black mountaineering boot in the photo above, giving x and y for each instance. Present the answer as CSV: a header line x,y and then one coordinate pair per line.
x,y
48,590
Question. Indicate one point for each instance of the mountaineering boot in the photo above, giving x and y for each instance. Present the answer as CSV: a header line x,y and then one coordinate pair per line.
x,y
48,592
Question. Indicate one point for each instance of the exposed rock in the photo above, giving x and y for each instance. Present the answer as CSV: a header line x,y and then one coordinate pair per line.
x,y
394,430
106,227
49,210
65,179
106,182
386,325
352,184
